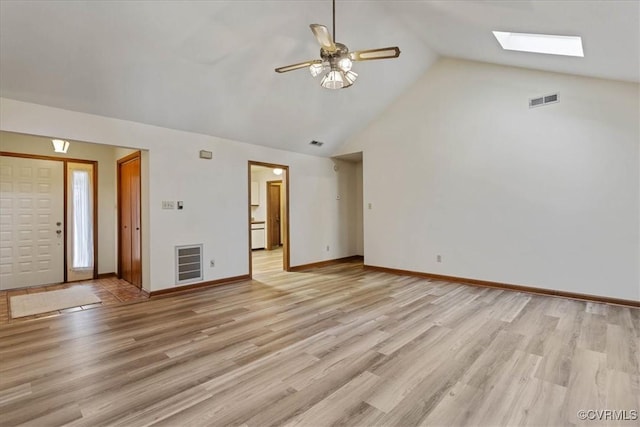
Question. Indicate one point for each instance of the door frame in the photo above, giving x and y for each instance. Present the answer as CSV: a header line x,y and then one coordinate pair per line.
x,y
65,178
119,163
268,242
286,244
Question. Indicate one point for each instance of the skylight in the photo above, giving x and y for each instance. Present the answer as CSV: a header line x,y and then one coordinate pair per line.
x,y
540,43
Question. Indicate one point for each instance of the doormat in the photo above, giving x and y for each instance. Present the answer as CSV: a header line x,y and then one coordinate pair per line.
x,y
44,302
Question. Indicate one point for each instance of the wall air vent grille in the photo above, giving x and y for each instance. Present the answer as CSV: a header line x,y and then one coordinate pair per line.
x,y
543,100
188,263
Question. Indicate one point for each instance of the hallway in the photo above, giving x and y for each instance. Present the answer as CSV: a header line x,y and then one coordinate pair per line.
x,y
264,261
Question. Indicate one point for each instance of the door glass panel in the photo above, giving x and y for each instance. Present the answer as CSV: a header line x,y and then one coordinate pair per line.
x,y
82,220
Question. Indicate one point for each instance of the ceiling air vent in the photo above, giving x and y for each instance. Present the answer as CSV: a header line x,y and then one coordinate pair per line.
x,y
543,100
316,143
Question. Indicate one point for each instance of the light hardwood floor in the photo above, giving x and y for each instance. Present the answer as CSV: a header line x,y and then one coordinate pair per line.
x,y
332,346
264,261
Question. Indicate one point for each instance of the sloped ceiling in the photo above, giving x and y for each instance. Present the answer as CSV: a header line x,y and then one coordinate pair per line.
x,y
207,67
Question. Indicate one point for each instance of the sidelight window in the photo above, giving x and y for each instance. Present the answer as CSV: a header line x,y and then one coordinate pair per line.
x,y
82,220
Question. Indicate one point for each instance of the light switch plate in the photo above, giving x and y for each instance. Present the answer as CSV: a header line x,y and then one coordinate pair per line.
x,y
168,204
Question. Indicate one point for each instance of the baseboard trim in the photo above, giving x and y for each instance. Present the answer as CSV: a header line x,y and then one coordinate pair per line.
x,y
107,275
196,286
326,263
508,286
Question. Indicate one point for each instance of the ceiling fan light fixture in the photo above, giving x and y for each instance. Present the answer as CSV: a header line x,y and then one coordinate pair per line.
x,y
350,77
333,80
335,58
345,64
316,69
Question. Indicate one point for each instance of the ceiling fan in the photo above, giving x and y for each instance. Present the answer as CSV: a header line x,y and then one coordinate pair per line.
x,y
336,59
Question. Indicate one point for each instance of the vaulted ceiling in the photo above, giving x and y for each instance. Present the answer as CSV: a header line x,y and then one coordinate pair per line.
x,y
208,67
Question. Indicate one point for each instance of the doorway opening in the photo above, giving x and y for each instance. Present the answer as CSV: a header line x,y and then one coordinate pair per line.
x,y
269,249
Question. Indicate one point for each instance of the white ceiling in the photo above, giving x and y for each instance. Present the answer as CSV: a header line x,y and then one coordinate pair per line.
x,y
207,67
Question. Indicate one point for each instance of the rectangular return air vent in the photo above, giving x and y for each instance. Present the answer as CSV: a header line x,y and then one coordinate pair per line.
x,y
188,263
543,100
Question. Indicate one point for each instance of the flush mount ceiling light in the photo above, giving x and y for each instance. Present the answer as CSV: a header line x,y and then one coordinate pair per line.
x,y
540,43
277,171
60,146
336,60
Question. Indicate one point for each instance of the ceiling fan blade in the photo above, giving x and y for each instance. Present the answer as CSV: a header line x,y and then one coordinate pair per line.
x,y
367,55
324,37
298,66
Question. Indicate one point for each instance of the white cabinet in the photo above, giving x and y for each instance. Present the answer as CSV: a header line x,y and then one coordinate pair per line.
x,y
255,193
257,236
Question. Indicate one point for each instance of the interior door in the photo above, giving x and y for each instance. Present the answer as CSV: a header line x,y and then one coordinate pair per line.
x,y
273,214
129,231
31,222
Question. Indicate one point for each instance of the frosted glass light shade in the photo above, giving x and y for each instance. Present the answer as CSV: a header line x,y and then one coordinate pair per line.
x,y
316,69
350,77
345,64
333,80
277,171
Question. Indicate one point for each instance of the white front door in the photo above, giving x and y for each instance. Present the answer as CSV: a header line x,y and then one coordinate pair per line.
x,y
31,222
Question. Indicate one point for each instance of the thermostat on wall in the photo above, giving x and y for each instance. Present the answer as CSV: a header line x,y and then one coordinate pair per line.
x,y
206,154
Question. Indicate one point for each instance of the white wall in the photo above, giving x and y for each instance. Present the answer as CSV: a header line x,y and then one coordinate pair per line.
x,y
105,156
358,210
545,197
214,191
122,152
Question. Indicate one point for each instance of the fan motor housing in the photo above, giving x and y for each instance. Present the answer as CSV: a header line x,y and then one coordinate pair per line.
x,y
340,52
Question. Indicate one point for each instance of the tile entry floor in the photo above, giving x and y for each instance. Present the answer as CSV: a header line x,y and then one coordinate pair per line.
x,y
110,290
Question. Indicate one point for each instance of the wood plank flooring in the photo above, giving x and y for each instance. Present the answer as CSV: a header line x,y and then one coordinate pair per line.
x,y
332,346
266,261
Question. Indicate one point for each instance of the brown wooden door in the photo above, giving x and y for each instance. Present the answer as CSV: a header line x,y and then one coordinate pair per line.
x,y
273,214
130,248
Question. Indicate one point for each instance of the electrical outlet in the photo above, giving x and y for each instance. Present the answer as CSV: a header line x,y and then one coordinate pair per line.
x,y
327,248
212,263
439,258
369,205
